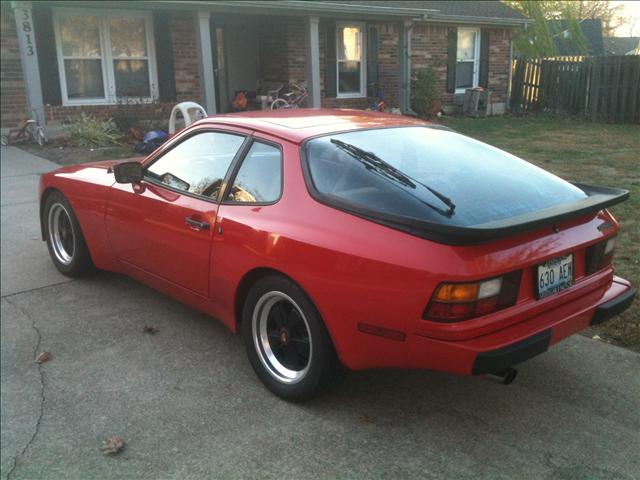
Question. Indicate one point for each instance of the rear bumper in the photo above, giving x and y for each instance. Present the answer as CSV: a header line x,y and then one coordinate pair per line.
x,y
613,307
505,348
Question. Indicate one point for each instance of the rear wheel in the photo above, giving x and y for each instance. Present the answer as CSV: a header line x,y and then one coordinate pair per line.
x,y
287,343
65,241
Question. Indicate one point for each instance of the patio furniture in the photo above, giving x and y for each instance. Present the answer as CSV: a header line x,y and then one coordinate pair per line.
x,y
191,112
476,102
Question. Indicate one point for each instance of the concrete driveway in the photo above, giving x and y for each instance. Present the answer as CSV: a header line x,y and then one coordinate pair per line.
x,y
189,406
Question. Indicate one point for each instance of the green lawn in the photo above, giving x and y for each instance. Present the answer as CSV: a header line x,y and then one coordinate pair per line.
x,y
595,153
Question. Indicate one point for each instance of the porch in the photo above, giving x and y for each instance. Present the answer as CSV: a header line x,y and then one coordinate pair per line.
x,y
204,52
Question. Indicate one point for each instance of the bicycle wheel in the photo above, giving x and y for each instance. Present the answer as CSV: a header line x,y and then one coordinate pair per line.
x,y
279,103
41,136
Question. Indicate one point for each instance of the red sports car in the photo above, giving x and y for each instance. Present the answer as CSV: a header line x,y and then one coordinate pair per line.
x,y
335,238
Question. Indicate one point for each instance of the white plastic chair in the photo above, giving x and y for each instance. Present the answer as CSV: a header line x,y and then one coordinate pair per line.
x,y
191,112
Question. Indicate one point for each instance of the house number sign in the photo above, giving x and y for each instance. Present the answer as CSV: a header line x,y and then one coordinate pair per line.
x,y
27,32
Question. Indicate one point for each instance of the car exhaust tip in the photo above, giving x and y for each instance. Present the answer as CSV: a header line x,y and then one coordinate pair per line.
x,y
505,377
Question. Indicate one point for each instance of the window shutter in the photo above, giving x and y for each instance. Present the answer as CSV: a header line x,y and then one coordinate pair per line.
x,y
452,55
373,87
164,56
483,78
330,81
47,58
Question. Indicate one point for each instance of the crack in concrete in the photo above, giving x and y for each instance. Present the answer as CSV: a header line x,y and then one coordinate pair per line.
x,y
42,389
36,289
33,174
18,203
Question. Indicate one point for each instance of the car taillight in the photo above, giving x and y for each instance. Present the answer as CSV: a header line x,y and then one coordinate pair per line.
x,y
454,302
600,255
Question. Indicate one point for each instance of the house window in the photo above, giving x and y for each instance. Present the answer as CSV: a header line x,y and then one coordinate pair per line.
x,y
467,58
350,59
105,57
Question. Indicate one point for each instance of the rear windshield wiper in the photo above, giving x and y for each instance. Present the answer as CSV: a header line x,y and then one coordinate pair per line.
x,y
372,161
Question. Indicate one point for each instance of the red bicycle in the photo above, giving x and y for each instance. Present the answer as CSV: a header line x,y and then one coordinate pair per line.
x,y
292,99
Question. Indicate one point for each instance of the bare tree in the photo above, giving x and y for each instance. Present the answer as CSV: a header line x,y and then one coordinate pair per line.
x,y
538,39
610,15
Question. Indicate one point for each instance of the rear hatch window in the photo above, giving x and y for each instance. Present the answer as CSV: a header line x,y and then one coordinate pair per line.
x,y
430,175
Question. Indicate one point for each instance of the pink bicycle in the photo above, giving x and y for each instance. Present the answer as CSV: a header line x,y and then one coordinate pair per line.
x,y
292,99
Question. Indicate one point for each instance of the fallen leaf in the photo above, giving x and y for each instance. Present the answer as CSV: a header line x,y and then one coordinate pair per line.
x,y
596,337
43,357
112,445
364,418
149,329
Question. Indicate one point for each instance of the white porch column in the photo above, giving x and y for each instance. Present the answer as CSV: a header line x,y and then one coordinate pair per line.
x,y
313,61
206,63
29,59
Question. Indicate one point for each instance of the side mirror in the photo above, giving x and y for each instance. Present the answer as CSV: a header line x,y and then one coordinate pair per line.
x,y
128,172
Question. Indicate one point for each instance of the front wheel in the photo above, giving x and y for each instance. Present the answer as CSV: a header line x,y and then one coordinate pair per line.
x,y
41,136
65,241
286,340
279,103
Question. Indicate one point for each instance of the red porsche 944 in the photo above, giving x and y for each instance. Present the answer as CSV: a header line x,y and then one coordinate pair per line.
x,y
338,238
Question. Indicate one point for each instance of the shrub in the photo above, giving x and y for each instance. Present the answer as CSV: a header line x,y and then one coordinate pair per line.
x,y
90,132
423,91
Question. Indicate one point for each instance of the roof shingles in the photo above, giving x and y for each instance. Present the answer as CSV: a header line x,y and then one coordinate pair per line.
x,y
480,9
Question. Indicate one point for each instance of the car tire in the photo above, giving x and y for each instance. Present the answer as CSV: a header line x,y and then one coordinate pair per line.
x,y
65,241
287,342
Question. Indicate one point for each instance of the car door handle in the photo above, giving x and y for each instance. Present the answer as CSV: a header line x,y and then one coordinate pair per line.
x,y
196,224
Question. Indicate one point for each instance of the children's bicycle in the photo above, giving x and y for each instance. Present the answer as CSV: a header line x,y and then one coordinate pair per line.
x,y
292,99
30,131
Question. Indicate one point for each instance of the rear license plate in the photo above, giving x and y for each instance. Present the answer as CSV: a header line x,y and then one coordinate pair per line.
x,y
555,275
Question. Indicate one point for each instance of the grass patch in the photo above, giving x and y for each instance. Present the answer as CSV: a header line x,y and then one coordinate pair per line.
x,y
577,150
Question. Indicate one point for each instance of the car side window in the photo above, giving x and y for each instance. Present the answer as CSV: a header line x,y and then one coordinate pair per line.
x,y
199,164
259,179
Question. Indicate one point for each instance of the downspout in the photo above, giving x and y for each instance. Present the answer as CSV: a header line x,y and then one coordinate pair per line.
x,y
510,71
405,68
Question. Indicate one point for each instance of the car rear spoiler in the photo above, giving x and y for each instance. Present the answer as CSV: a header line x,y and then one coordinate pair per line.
x,y
597,199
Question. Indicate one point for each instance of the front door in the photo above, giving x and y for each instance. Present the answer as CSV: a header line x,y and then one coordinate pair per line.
x,y
165,224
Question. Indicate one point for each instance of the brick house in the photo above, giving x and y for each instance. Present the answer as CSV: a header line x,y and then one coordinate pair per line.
x,y
63,58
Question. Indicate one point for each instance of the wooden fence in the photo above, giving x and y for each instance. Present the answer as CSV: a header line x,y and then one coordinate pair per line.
x,y
604,88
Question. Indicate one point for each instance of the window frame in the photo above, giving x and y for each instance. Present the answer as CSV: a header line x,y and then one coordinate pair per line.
x,y
244,148
363,60
476,60
235,169
106,58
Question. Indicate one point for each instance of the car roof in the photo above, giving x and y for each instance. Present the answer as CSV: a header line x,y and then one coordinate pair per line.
x,y
297,125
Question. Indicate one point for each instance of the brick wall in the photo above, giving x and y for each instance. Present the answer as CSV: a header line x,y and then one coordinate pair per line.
x,y
186,64
389,63
13,99
283,49
156,113
499,54
429,49
272,50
